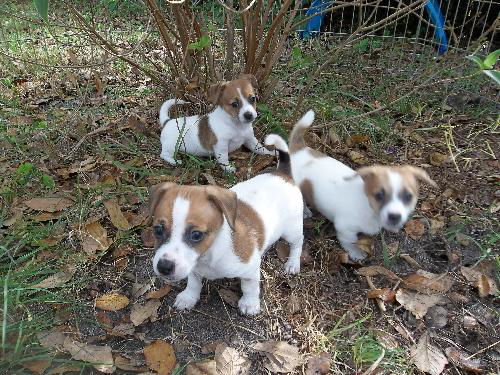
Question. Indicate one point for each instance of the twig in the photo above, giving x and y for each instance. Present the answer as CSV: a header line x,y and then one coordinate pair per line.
x,y
228,75
379,302
232,10
483,350
102,129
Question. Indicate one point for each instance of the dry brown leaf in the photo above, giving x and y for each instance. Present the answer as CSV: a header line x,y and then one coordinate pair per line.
x,y
412,262
437,159
230,297
51,340
112,302
57,279
385,339
211,346
99,86
128,365
201,368
160,293
160,357
94,238
101,355
138,289
484,284
229,361
366,244
437,317
116,215
416,303
47,216
427,357
436,225
64,369
282,250
37,366
49,241
281,356
461,359
78,167
49,204
140,313
319,364
385,294
357,157
378,270
392,248
415,229
124,329
357,139
429,283
13,219
147,237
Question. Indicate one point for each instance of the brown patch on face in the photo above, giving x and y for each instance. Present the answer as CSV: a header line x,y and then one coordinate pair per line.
x,y
230,95
410,183
377,187
307,189
203,215
207,137
248,233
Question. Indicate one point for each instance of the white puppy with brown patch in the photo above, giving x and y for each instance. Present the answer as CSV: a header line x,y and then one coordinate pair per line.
x,y
363,201
225,129
211,232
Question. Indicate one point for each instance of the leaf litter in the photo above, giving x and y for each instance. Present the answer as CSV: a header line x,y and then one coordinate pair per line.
x,y
281,357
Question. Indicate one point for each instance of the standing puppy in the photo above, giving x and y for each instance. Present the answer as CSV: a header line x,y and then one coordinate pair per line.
x,y
225,129
365,201
211,232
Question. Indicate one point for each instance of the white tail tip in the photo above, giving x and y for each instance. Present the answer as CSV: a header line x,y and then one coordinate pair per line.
x,y
276,141
307,119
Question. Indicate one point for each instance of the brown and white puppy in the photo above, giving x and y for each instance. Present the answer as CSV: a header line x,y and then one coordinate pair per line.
x,y
225,129
365,201
211,232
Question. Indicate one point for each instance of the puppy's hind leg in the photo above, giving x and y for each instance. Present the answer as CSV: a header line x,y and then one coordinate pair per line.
x,y
348,241
165,155
295,238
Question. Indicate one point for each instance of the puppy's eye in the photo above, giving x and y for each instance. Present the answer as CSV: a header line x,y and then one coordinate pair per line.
x,y
252,99
379,196
406,196
235,104
196,236
158,230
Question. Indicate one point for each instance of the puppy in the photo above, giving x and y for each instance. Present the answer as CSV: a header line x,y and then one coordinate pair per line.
x,y
210,232
225,129
365,201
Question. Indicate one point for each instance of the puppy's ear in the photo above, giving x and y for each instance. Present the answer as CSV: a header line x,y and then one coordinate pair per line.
x,y
365,173
226,201
251,78
215,91
420,174
156,193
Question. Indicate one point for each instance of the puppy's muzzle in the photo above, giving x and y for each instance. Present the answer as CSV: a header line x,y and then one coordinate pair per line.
x,y
248,116
165,267
394,219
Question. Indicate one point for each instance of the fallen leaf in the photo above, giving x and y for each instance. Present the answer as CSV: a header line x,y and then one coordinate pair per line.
x,y
86,165
116,215
122,251
392,248
436,225
282,250
128,365
415,229
427,357
319,364
147,237
37,366
461,359
437,159
357,157
484,284
230,297
112,302
94,238
229,361
51,340
211,346
378,270
470,322
101,355
385,294
412,262
99,86
437,317
49,241
385,339
47,216
201,368
160,293
13,219
58,279
357,139
49,204
104,319
366,244
125,329
64,369
281,356
138,289
426,282
416,303
139,313
160,357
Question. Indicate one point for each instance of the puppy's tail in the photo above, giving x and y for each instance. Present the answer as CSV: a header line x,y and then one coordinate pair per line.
x,y
284,166
296,140
165,108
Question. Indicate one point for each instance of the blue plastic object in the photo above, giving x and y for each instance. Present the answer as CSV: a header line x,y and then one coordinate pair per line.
x,y
318,9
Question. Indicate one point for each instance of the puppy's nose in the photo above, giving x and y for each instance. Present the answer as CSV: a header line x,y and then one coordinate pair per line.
x,y
165,267
248,116
394,218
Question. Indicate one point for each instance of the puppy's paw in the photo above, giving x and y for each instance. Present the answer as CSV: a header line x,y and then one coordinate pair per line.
x,y
185,300
356,254
171,160
228,168
249,306
292,266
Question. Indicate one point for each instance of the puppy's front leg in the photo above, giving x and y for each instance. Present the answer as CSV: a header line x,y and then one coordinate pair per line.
x,y
189,296
249,303
221,154
348,241
255,146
